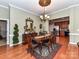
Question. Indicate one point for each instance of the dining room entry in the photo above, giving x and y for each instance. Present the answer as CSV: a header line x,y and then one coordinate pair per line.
x,y
61,25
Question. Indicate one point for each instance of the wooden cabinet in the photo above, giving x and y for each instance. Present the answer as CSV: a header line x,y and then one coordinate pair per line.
x,y
25,37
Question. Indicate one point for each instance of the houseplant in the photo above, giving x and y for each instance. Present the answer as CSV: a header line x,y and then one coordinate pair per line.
x,y
15,34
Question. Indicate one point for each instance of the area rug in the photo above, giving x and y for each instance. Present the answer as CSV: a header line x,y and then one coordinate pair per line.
x,y
45,53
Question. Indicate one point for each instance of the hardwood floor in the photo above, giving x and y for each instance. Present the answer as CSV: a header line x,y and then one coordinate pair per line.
x,y
67,51
19,52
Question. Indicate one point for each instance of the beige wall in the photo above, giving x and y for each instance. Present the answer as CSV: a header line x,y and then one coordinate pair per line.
x,y
46,26
4,13
73,13
55,15
74,22
18,17
59,14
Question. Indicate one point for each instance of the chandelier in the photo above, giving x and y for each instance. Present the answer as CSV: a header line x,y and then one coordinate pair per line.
x,y
44,3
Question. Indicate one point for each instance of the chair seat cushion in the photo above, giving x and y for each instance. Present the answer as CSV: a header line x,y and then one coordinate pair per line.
x,y
34,42
46,41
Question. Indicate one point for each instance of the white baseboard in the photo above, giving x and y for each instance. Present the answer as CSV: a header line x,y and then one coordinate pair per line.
x,y
72,43
15,44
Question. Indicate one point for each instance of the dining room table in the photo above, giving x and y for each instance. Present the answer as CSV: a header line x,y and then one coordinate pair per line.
x,y
40,38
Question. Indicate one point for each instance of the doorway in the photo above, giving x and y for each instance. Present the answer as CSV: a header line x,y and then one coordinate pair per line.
x,y
3,32
61,25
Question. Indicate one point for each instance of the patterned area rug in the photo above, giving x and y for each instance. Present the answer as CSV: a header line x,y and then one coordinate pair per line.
x,y
45,53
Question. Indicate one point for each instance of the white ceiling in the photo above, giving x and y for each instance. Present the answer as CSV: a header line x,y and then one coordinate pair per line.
x,y
33,5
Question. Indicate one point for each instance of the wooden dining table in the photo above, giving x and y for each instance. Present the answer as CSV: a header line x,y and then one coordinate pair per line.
x,y
41,38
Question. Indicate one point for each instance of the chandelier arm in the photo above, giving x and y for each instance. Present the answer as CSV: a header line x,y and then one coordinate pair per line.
x,y
44,3
44,13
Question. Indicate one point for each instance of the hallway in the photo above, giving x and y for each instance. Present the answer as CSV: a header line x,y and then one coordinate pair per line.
x,y
3,32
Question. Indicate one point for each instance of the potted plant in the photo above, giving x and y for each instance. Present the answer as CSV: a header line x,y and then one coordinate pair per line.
x,y
15,37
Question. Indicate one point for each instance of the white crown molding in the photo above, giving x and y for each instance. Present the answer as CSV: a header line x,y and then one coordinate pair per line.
x,y
64,9
3,19
11,5
76,5
3,6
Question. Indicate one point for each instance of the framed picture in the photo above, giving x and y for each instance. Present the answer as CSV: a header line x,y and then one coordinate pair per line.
x,y
29,24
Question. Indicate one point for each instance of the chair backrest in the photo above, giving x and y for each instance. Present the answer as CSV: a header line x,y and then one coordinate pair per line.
x,y
29,40
34,34
50,38
51,41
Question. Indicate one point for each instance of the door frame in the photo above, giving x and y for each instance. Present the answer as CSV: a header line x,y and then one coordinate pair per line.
x,y
7,20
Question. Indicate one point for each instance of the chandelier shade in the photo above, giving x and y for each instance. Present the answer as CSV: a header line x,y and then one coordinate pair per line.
x,y
44,3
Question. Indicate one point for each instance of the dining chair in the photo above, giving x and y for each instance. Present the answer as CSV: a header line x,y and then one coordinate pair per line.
x,y
31,45
34,34
48,42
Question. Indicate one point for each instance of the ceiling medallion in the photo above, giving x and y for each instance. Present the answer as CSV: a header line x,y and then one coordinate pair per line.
x,y
44,3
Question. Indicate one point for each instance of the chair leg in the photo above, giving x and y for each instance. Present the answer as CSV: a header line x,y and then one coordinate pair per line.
x,y
49,49
30,50
40,47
